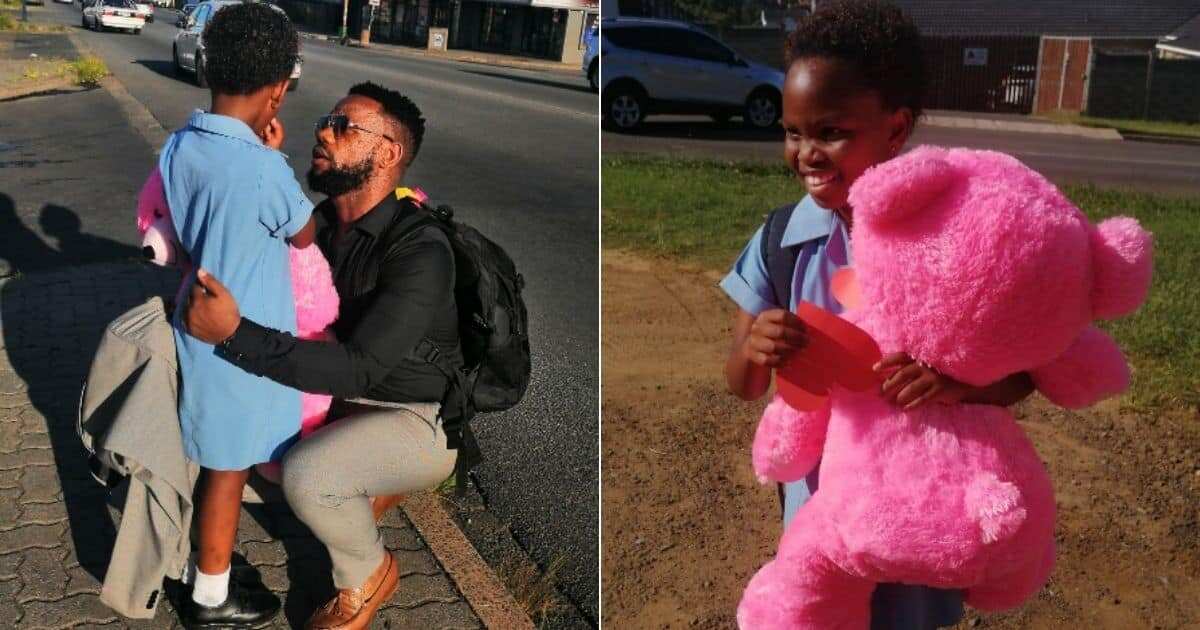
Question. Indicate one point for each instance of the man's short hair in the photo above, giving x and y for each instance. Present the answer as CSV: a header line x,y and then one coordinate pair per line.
x,y
400,109
249,46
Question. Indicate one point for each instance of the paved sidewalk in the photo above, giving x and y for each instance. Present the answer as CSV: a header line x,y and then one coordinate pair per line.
x,y
57,525
465,56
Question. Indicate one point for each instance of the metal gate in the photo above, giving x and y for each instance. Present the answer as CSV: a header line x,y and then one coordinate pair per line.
x,y
982,74
1063,67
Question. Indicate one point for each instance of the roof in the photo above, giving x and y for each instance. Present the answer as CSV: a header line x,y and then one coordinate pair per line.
x,y
1134,19
1185,39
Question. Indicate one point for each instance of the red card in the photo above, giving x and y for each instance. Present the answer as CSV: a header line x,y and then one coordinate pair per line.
x,y
837,352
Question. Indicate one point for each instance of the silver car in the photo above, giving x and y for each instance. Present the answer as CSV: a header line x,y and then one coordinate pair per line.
x,y
187,51
665,67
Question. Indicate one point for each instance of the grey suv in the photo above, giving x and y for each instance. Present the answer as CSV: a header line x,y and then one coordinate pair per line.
x,y
667,67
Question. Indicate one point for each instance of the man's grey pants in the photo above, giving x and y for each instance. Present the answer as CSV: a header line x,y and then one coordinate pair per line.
x,y
369,451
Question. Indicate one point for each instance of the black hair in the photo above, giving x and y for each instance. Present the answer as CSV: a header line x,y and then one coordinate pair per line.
x,y
400,109
877,38
247,47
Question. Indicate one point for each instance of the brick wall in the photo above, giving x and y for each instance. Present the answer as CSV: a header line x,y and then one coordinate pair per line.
x,y
1118,88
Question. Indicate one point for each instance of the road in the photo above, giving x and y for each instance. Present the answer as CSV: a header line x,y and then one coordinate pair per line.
x,y
1152,167
515,152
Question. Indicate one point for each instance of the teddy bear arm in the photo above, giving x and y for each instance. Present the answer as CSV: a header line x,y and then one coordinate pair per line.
x,y
788,442
1091,370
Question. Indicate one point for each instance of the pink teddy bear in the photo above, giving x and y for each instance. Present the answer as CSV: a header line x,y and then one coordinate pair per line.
x,y
979,267
312,286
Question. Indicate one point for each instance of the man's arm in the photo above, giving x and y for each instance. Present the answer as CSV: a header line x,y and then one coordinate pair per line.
x,y
415,287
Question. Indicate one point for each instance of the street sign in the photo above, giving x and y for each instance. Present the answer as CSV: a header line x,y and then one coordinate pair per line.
x,y
975,56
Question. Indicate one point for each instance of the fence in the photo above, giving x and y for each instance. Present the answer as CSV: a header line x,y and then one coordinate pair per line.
x,y
1118,88
982,74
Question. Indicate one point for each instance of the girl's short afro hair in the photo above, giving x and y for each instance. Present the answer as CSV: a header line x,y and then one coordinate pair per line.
x,y
876,37
248,46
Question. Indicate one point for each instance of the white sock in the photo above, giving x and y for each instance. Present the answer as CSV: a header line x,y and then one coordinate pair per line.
x,y
211,590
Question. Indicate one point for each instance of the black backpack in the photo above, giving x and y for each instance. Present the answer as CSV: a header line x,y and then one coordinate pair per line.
x,y
493,326
780,261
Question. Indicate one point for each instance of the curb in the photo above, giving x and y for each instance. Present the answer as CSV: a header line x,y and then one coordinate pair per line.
x,y
416,53
964,122
483,590
143,122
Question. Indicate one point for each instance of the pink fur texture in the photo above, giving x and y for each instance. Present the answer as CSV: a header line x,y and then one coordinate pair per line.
x,y
312,287
993,272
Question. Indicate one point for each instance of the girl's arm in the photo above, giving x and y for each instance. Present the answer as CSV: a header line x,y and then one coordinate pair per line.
x,y
912,384
306,235
760,344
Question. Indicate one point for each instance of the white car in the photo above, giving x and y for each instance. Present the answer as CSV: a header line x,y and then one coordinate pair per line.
x,y
666,67
113,14
187,51
146,9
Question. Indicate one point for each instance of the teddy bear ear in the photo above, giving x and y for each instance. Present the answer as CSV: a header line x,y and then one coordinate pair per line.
x,y
1122,262
894,189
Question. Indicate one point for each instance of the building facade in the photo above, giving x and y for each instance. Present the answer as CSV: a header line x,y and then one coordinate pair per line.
x,y
544,29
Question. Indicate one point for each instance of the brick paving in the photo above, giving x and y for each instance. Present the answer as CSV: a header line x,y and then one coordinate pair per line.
x,y
57,525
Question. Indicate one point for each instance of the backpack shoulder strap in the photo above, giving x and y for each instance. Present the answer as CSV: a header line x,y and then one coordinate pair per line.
x,y
780,261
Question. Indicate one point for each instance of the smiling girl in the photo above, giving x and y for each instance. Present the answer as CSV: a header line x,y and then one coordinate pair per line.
x,y
852,95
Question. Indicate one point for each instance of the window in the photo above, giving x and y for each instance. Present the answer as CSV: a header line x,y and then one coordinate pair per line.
x,y
702,47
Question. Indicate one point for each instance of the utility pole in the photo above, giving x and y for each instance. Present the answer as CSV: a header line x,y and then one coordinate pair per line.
x,y
345,13
24,11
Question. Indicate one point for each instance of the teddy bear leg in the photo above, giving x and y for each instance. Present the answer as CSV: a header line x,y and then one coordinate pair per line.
x,y
804,589
1014,588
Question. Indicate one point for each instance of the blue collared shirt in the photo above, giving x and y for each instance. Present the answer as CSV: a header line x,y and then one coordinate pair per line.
x,y
234,201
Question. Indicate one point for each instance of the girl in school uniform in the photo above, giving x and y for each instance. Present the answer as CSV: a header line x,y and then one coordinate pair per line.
x,y
853,92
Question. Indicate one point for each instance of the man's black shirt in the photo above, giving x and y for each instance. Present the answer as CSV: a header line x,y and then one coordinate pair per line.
x,y
395,289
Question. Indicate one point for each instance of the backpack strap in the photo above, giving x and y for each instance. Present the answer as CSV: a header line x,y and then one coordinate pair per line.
x,y
780,261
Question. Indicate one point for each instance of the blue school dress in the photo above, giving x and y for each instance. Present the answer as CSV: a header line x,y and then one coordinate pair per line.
x,y
824,248
234,201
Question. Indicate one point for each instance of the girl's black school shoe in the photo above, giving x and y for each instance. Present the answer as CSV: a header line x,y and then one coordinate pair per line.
x,y
243,608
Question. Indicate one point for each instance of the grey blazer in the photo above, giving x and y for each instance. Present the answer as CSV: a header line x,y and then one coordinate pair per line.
x,y
129,422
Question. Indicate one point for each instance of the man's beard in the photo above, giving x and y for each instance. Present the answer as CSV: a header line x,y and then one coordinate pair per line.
x,y
338,180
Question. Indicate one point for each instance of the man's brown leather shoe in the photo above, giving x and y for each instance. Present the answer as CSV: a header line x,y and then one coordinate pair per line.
x,y
353,608
384,503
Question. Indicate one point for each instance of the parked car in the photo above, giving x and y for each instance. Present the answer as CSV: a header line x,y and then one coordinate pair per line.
x,y
187,51
653,66
65,1
113,14
181,19
146,9
591,58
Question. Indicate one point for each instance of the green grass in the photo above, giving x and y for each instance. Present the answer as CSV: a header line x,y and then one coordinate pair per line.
x,y
88,70
703,212
1129,125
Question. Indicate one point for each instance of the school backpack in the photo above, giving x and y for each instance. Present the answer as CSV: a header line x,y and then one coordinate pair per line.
x,y
779,261
493,325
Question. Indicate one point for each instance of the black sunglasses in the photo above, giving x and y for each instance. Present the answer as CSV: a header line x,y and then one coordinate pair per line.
x,y
341,122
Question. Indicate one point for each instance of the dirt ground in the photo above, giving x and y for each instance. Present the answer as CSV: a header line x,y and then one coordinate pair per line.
x,y
686,525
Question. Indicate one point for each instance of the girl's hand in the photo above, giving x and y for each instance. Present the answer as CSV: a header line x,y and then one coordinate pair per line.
x,y
773,337
272,134
913,384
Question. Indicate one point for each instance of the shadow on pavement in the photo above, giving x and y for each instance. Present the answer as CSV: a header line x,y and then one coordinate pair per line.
x,y
706,129
51,325
547,82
